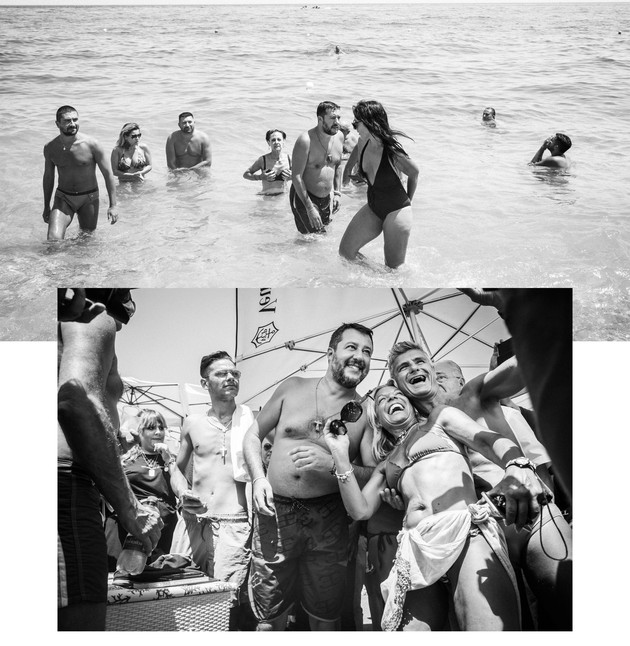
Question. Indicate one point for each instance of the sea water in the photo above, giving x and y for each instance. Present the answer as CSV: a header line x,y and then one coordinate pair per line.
x,y
482,216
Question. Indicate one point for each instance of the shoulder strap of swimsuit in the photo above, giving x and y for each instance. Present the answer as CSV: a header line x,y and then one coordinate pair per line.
x,y
362,153
289,156
264,158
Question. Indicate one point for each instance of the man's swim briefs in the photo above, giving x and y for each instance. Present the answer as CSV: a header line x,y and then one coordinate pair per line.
x,y
303,224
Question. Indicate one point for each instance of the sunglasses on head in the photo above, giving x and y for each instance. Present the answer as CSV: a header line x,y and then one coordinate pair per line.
x,y
351,413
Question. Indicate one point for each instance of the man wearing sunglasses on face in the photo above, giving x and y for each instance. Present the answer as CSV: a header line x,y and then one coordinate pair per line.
x,y
214,507
300,534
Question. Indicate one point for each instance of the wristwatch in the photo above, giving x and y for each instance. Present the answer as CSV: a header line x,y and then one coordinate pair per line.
x,y
522,463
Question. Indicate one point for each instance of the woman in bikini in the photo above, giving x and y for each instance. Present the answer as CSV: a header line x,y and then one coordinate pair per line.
x,y
131,160
274,167
446,532
381,159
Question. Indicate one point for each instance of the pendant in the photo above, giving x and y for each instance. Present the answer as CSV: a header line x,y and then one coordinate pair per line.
x,y
317,424
151,473
223,453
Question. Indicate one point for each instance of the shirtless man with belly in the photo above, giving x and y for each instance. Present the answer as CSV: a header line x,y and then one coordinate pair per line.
x,y
317,156
188,148
300,538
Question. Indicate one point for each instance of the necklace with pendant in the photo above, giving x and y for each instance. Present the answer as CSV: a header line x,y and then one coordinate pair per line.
x,y
327,151
318,423
226,427
152,464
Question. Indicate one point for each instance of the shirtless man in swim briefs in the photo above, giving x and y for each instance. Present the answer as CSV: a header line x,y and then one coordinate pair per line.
x,y
317,156
188,148
75,156
300,534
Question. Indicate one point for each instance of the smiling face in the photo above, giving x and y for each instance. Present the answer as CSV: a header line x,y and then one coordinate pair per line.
x,y
350,360
393,410
222,380
414,374
330,122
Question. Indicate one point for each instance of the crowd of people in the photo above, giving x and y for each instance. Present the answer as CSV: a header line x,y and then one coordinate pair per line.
x,y
323,160
434,493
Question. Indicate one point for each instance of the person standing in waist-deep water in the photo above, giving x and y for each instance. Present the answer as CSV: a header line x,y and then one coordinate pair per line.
x,y
130,159
317,156
274,167
187,148
75,156
388,211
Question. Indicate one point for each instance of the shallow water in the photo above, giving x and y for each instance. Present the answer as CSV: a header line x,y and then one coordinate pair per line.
x,y
482,216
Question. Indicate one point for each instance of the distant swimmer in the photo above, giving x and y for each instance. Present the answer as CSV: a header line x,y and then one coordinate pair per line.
x,y
188,148
317,158
130,159
557,145
75,156
274,167
488,118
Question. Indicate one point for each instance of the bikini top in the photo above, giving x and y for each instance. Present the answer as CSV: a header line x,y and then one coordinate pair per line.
x,y
417,445
278,177
126,163
386,177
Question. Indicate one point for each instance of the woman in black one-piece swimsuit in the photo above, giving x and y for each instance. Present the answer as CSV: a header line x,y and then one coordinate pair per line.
x,y
389,205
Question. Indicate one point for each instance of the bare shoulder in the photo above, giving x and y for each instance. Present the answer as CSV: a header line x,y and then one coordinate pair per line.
x,y
203,136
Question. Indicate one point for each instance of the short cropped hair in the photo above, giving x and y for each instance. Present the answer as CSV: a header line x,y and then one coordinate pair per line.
x,y
494,114
64,109
338,333
400,348
455,367
183,115
270,132
209,359
564,141
325,107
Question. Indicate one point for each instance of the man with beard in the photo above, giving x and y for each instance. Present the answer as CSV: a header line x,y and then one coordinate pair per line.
x,y
300,535
317,156
215,507
75,156
188,148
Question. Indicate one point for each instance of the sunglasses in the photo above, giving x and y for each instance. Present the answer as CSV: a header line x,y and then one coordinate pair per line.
x,y
351,413
135,136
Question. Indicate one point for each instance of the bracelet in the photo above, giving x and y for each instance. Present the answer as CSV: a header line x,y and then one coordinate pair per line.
x,y
258,478
343,477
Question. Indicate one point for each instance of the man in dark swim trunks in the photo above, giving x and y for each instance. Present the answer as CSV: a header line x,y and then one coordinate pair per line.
x,y
88,462
317,156
300,533
75,156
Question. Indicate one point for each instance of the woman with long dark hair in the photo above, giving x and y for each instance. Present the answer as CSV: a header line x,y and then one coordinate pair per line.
x,y
381,160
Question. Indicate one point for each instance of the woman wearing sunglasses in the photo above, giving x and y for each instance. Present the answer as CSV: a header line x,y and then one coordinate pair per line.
x,y
274,167
445,531
388,211
131,159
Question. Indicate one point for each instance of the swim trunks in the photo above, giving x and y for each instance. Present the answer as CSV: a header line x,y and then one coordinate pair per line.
x,y
219,546
303,224
81,544
300,554
76,201
387,194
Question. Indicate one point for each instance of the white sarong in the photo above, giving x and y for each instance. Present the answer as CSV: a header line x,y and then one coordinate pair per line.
x,y
427,551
